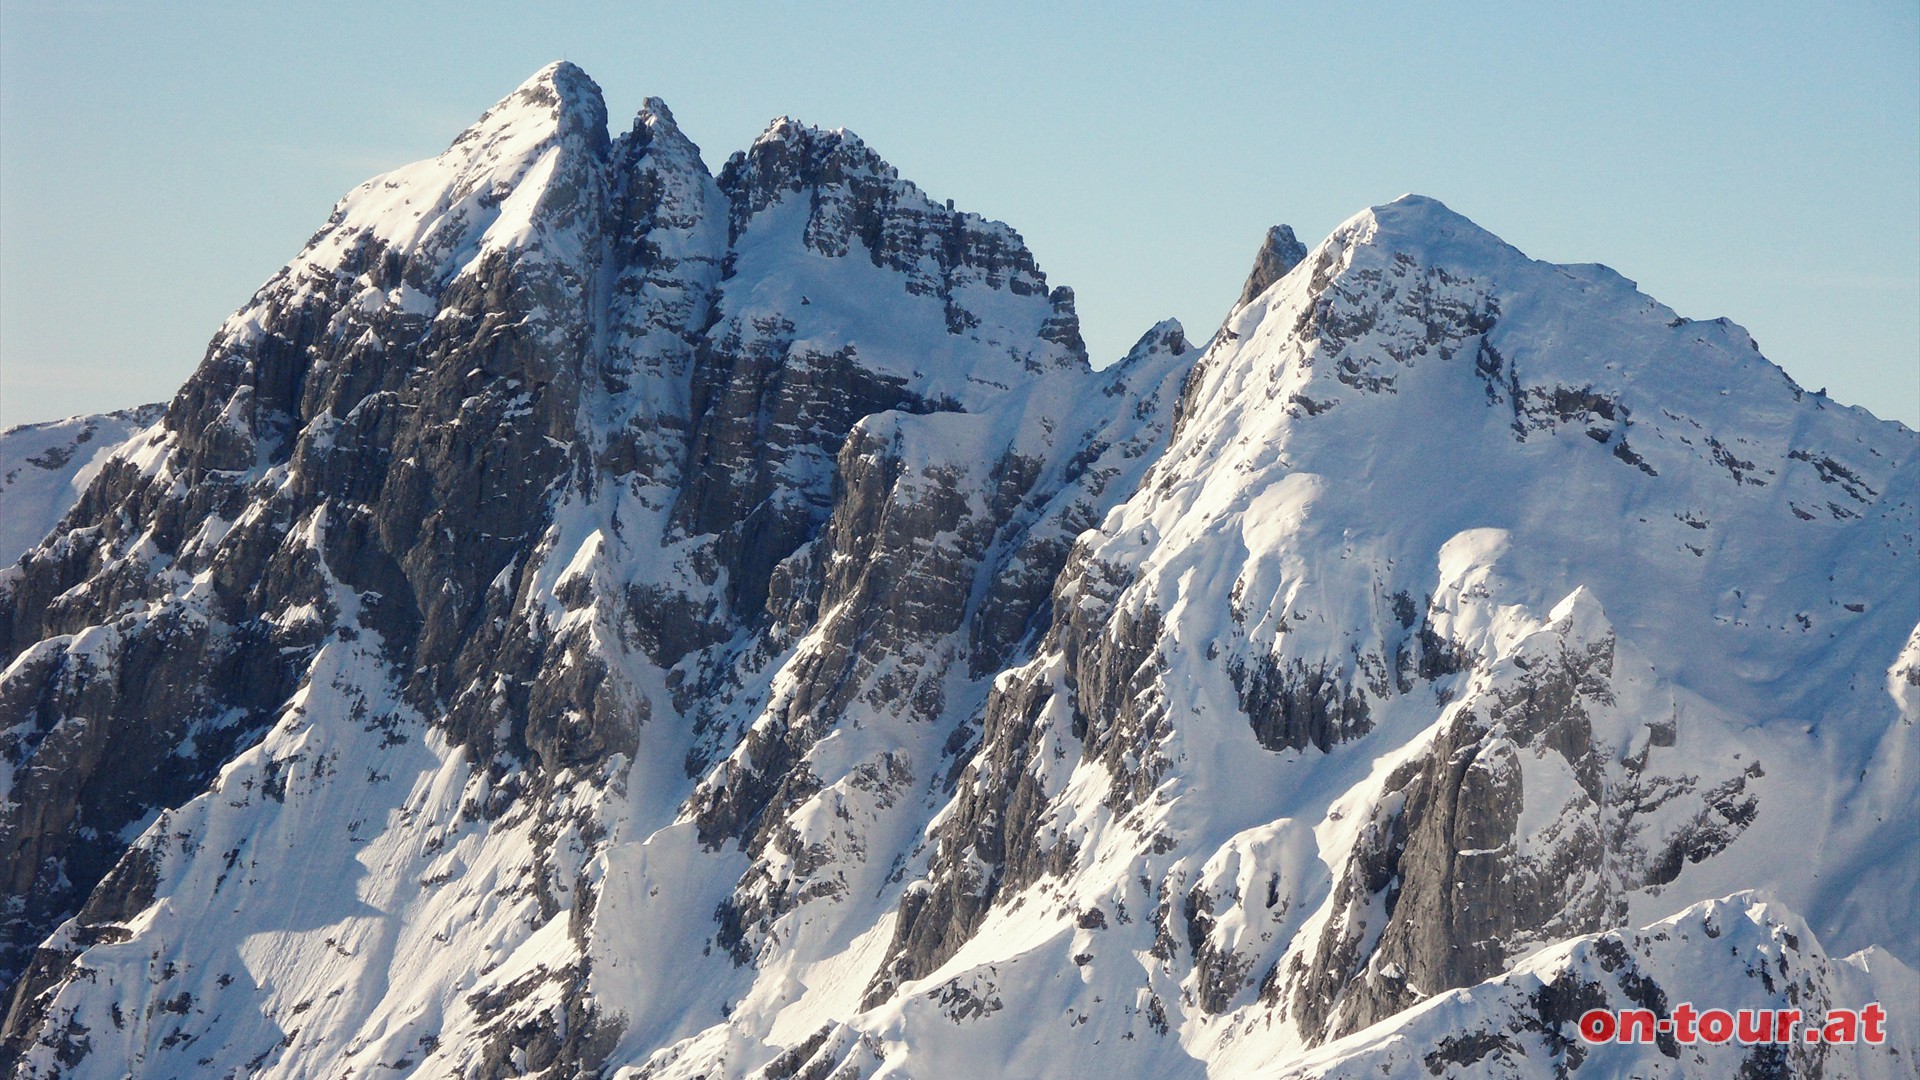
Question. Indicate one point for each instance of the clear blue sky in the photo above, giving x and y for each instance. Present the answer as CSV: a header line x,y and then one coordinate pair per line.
x,y
1754,160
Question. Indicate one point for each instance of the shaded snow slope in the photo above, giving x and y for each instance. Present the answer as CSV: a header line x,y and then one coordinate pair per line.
x,y
44,469
589,615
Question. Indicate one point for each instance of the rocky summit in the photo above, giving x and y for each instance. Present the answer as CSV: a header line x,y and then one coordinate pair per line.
x,y
589,615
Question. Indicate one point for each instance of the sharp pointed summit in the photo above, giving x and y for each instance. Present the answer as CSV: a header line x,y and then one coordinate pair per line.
x,y
1279,253
559,100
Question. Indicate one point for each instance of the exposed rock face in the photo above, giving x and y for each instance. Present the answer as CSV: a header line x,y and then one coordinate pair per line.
x,y
1542,805
1279,253
388,449
587,616
1741,953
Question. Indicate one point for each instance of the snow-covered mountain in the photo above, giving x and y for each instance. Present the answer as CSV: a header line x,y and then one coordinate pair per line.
x,y
590,616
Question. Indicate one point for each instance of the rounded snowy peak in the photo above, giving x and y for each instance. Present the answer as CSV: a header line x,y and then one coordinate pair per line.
x,y
1426,228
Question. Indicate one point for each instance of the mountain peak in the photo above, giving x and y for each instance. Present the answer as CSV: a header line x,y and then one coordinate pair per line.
x,y
1427,228
789,131
1167,336
559,98
1279,253
653,125
657,108
792,156
1414,208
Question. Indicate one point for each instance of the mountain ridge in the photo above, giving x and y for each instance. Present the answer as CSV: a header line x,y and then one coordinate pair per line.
x,y
590,615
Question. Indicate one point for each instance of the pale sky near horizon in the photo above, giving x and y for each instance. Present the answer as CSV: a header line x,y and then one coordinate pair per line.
x,y
1759,161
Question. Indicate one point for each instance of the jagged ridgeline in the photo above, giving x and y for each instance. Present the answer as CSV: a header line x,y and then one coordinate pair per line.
x,y
589,616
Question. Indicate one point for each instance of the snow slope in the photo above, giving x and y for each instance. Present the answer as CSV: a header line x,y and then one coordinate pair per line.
x,y
593,616
44,469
